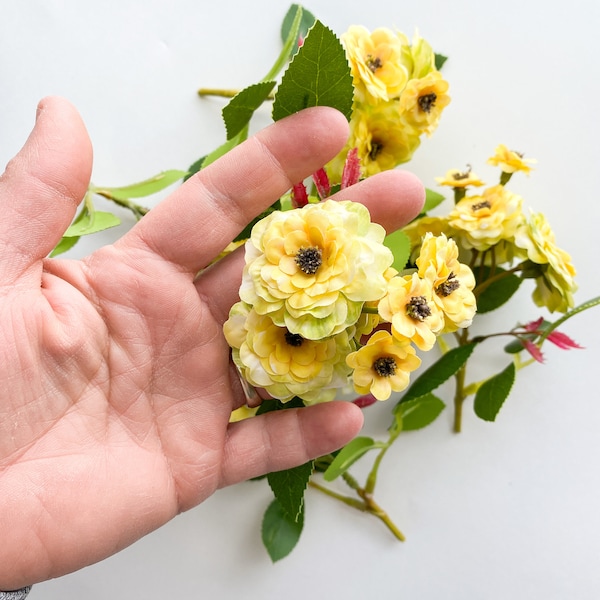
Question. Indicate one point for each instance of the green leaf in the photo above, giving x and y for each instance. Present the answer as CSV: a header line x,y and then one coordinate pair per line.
x,y
306,22
491,395
432,199
319,75
289,486
91,223
66,243
419,412
194,168
348,455
498,292
142,188
439,372
273,405
399,243
280,534
238,112
440,59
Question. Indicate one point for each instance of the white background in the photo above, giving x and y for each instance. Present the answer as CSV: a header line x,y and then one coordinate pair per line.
x,y
504,510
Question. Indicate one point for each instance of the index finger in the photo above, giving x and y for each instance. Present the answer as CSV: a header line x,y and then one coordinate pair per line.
x,y
196,222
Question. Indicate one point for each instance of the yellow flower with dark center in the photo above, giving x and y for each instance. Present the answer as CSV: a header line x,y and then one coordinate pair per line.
x,y
283,363
510,161
381,140
382,366
410,308
423,101
312,269
485,220
378,62
456,178
556,286
452,281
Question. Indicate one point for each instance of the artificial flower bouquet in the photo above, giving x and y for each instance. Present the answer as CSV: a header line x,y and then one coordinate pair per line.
x,y
330,306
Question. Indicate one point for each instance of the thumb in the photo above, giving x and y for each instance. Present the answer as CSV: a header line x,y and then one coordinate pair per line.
x,y
42,186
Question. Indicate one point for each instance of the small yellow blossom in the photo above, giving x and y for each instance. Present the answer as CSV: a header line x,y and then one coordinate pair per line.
x,y
410,308
382,366
376,62
556,286
381,140
423,101
510,161
312,269
282,363
488,219
456,178
452,281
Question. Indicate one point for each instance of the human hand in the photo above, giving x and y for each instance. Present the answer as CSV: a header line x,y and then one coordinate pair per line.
x,y
116,385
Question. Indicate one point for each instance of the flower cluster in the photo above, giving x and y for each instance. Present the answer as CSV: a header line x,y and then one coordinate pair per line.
x,y
320,304
492,229
399,95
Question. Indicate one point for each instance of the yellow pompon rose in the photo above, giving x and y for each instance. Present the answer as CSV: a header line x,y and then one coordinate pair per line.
x,y
381,140
456,178
488,219
556,286
376,61
410,308
452,281
383,365
312,269
510,161
423,101
283,363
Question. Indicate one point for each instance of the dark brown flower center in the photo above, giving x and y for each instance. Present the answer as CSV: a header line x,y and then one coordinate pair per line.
x,y
427,102
480,205
385,366
450,285
376,149
418,308
459,176
293,339
374,63
309,260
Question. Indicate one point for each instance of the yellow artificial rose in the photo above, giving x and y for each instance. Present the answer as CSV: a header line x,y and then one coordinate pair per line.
x,y
452,281
410,308
556,286
382,141
377,62
382,366
484,221
510,161
423,101
283,363
423,57
312,269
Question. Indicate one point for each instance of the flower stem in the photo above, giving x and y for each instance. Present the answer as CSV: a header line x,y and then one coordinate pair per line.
x,y
459,398
222,93
138,210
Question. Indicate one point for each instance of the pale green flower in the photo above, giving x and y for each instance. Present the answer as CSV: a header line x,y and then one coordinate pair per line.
x,y
556,286
312,269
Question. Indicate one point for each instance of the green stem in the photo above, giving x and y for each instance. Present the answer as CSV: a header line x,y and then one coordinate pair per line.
x,y
459,397
218,92
138,210
345,499
372,477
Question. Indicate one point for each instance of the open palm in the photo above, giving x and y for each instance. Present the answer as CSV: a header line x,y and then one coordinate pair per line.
x,y
115,380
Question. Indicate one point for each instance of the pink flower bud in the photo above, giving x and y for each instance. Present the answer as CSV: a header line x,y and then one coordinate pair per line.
x,y
563,341
322,182
364,401
299,195
533,350
351,173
